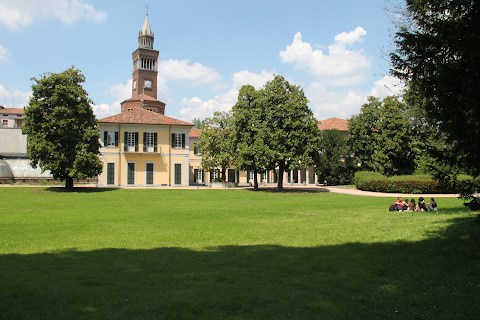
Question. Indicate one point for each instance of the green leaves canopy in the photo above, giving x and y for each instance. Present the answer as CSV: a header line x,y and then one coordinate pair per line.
x,y
274,128
61,127
437,50
334,165
380,137
215,142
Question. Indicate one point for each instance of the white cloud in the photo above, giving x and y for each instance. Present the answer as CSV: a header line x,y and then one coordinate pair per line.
x,y
349,38
178,70
327,104
13,98
387,86
3,53
340,67
119,92
162,90
102,110
196,108
244,77
343,104
21,13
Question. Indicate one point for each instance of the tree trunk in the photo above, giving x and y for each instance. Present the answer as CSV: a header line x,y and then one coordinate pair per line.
x,y
255,180
281,168
69,183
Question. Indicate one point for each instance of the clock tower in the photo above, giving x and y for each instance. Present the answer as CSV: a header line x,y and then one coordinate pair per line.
x,y
145,63
144,77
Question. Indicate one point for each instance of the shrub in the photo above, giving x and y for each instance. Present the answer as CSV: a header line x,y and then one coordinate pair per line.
x,y
374,181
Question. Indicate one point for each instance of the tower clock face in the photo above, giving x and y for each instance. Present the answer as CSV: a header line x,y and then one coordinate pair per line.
x,y
148,84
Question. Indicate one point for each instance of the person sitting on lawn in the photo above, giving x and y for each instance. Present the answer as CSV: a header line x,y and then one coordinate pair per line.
x,y
411,205
399,204
421,204
405,205
432,205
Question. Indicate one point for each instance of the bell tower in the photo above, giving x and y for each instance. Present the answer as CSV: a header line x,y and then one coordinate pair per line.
x,y
145,64
144,77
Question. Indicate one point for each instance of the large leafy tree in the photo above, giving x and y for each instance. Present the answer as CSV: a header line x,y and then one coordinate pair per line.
x,y
291,134
363,130
437,51
249,132
215,142
61,127
380,137
274,128
334,165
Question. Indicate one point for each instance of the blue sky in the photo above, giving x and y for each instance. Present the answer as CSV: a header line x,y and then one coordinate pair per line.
x,y
335,50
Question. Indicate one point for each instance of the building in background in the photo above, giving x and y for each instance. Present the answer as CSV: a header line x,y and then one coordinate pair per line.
x,y
334,123
141,146
12,117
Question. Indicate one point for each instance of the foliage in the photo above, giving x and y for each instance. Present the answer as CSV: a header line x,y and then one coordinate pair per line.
x,y
380,138
61,127
427,141
291,132
333,165
198,123
232,254
215,142
374,181
274,128
437,51
249,132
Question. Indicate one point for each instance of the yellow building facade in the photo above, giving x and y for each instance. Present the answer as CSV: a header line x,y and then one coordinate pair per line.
x,y
144,148
141,146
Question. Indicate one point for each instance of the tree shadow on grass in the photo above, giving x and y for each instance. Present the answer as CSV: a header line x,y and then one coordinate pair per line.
x,y
435,278
79,189
287,190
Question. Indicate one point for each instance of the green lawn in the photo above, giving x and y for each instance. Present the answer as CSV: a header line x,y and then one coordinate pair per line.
x,y
233,254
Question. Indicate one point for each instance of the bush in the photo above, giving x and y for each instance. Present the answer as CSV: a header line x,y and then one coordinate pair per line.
x,y
374,181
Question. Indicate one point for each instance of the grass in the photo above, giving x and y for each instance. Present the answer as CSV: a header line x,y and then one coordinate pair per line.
x,y
232,254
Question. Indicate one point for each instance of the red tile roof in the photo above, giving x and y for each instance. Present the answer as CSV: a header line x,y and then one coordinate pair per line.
x,y
142,116
194,133
12,111
333,123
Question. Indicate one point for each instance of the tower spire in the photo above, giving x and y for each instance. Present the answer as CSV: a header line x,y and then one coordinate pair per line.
x,y
146,31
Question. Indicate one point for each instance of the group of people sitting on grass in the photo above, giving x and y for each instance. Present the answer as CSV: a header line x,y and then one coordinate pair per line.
x,y
401,205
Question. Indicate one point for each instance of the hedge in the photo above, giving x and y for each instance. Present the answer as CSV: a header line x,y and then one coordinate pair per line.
x,y
417,184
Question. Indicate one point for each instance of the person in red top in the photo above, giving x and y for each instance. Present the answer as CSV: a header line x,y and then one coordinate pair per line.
x,y
399,204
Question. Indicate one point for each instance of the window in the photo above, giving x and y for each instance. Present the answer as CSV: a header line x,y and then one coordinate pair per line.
x,y
231,175
197,175
5,123
130,173
178,173
264,176
178,140
214,174
196,149
131,141
110,173
149,173
150,142
110,139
